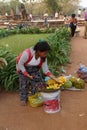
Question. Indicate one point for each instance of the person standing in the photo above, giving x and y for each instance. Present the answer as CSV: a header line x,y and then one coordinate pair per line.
x,y
56,15
73,24
85,31
79,13
66,21
30,17
23,12
83,13
46,20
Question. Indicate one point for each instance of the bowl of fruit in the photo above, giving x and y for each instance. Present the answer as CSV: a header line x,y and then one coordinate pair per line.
x,y
51,85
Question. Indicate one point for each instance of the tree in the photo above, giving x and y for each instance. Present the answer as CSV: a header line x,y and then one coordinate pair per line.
x,y
53,5
14,4
72,6
60,5
39,7
4,7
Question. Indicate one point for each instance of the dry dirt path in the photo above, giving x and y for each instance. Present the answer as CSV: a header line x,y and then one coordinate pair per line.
x,y
73,114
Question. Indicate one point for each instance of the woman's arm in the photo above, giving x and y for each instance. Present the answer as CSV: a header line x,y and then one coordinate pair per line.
x,y
47,71
22,61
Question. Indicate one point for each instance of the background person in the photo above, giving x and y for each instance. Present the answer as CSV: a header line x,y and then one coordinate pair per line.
x,y
73,24
56,15
79,13
30,17
85,31
66,21
46,20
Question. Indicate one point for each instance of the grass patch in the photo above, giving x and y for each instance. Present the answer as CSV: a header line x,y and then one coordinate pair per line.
x,y
17,43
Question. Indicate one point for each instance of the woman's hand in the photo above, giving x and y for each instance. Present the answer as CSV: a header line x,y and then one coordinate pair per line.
x,y
30,76
54,78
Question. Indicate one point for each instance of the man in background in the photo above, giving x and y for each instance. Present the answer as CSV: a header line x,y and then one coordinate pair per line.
x,y
85,30
56,15
79,13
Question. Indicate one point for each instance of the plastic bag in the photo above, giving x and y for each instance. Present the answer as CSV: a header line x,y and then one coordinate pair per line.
x,y
35,100
69,29
77,29
82,72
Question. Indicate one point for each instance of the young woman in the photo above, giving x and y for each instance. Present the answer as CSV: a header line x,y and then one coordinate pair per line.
x,y
73,24
28,66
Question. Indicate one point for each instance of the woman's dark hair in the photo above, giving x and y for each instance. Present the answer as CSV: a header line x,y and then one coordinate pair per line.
x,y
65,15
73,15
42,46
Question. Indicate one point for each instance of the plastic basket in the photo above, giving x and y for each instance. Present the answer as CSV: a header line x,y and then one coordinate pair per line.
x,y
35,100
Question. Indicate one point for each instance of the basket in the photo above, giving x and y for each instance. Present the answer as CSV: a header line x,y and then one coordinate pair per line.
x,y
50,90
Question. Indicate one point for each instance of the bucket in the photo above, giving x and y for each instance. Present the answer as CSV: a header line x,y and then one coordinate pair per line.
x,y
51,101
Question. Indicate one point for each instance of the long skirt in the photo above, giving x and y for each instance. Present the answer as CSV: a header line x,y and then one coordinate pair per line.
x,y
27,83
73,28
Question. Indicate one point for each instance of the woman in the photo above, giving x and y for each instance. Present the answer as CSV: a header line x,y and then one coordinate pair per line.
x,y
28,66
73,24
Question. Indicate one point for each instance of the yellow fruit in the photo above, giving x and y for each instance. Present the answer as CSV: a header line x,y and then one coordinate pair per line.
x,y
62,79
51,81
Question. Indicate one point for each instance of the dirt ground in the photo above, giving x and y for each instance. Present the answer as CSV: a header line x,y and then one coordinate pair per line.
x,y
73,114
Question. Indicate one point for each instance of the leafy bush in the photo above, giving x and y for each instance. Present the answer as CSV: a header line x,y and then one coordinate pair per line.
x,y
34,30
59,42
8,76
49,30
3,33
14,31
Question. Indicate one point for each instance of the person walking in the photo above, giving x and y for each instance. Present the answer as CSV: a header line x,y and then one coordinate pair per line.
x,y
73,24
85,30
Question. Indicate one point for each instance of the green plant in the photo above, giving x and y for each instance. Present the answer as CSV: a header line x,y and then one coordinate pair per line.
x,y
36,30
24,31
33,30
2,33
14,31
8,76
59,42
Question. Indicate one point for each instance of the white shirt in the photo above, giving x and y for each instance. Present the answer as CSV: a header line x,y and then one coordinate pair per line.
x,y
34,61
79,12
56,15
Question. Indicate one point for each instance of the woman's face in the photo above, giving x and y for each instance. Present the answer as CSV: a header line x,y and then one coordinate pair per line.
x,y
43,54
